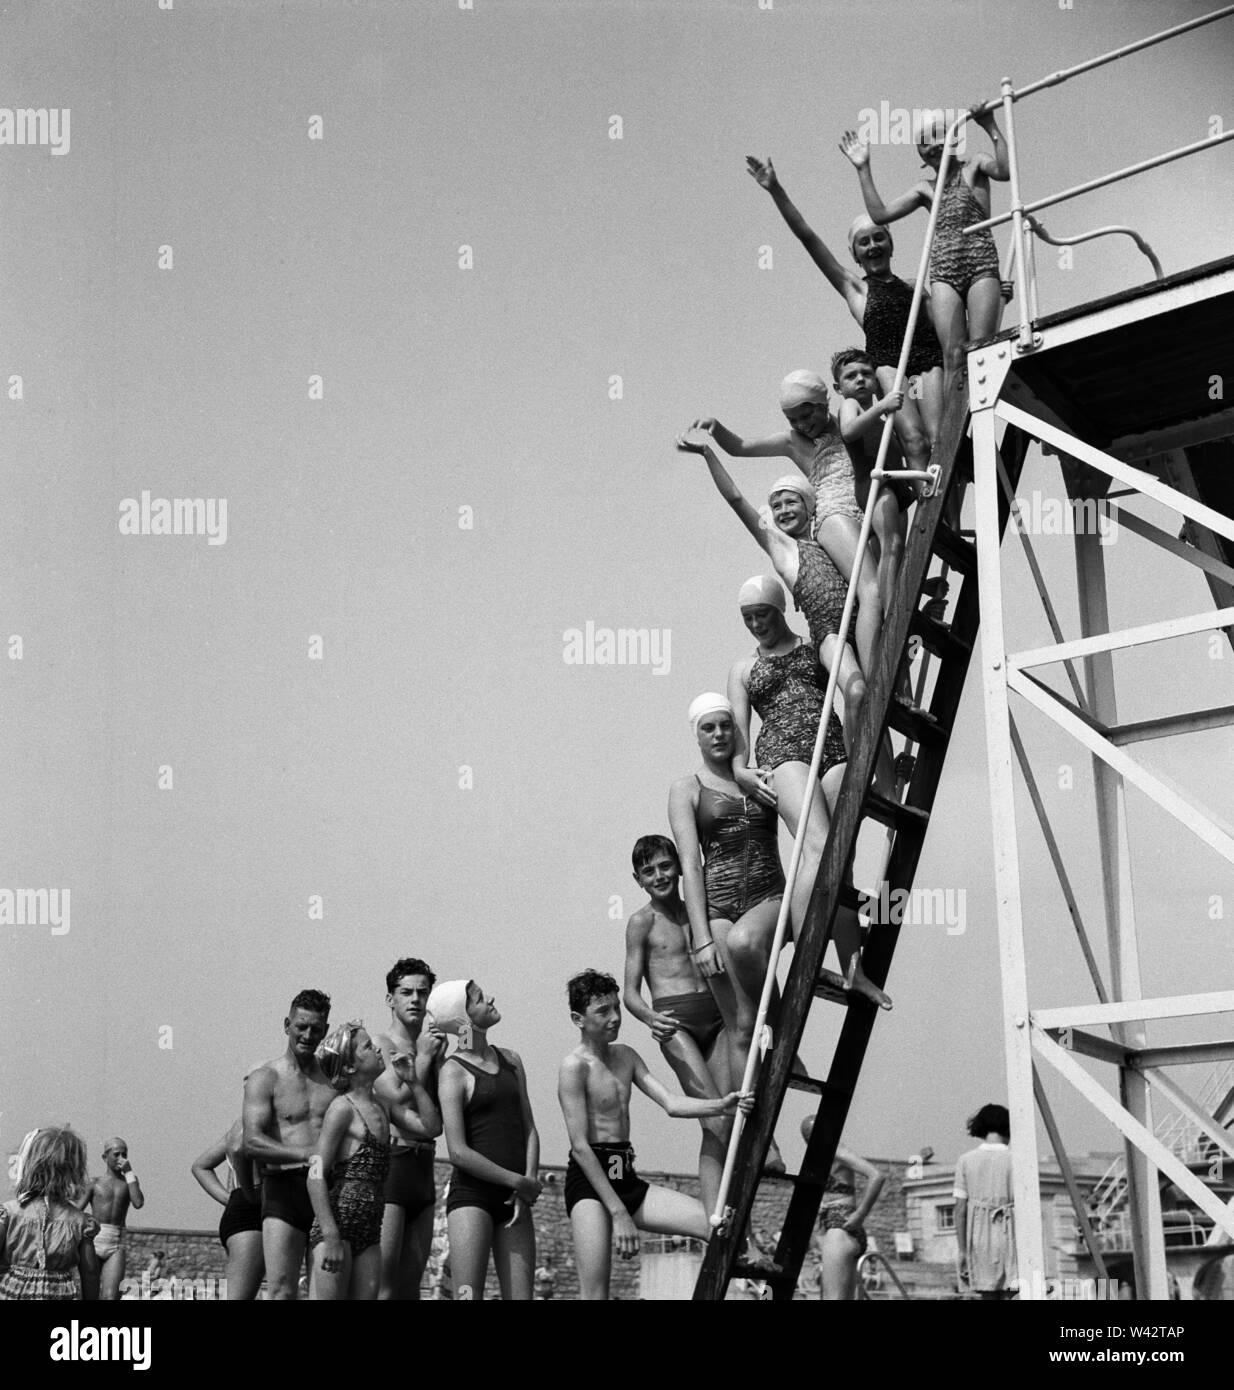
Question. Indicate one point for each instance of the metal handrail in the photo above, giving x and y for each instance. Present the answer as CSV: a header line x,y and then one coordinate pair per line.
x,y
882,1259
1038,230
1026,280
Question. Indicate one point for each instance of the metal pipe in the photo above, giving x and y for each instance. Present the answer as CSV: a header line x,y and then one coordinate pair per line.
x,y
1180,153
1066,74
1100,231
1025,339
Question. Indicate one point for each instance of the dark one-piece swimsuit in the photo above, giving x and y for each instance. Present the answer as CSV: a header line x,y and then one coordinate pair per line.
x,y
819,592
787,691
886,318
357,1192
741,859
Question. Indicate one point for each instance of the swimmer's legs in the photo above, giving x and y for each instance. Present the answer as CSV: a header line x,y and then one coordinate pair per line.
x,y
366,1275
838,1267
245,1266
283,1248
330,1286
111,1275
682,1053
393,1225
593,1248
514,1257
670,1213
471,1239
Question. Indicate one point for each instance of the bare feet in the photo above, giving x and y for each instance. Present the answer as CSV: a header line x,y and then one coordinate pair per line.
x,y
857,983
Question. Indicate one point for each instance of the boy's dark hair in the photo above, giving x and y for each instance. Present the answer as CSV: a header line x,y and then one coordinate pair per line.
x,y
841,359
408,965
312,1000
990,1119
646,847
588,985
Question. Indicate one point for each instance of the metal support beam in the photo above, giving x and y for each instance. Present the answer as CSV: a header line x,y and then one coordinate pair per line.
x,y
1078,1204
1135,1010
1026,1185
1189,1107
1091,1045
1186,1054
1148,1241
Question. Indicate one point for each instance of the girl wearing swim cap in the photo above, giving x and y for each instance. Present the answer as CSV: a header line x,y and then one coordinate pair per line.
x,y
808,574
879,301
784,683
732,882
965,290
814,443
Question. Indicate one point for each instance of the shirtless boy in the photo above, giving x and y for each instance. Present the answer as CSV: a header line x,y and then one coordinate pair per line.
x,y
411,1194
110,1196
605,1197
284,1103
684,1017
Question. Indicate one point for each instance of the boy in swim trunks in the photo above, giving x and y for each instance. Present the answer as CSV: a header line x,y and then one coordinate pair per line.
x,y
411,1193
605,1197
111,1194
684,1017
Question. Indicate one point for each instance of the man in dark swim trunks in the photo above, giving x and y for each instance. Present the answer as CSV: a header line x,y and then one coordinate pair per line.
x,y
411,1193
684,1017
605,1197
284,1104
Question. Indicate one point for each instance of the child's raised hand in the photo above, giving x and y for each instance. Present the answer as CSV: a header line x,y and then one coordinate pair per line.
x,y
762,171
745,1103
854,150
707,423
891,402
690,446
403,1065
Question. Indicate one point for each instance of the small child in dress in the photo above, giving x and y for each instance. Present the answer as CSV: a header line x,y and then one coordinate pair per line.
x,y
350,1164
965,290
813,442
880,302
985,1208
46,1240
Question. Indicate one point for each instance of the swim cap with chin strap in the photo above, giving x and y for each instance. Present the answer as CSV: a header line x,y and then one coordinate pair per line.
x,y
447,1010
859,225
336,1051
761,591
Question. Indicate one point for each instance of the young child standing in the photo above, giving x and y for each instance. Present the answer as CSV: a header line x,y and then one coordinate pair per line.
x,y
111,1195
861,423
965,290
46,1240
350,1164
605,1197
684,1017
493,1145
879,301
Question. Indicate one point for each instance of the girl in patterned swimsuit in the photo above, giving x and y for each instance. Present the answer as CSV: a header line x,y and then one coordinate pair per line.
x,y
347,1173
965,291
843,1240
814,444
879,301
785,684
809,575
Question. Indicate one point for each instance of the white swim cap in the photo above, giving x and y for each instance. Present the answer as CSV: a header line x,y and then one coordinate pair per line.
x,y
761,591
798,388
794,482
708,703
447,1006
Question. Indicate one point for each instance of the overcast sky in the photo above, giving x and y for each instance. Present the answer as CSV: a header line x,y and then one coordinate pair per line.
x,y
468,260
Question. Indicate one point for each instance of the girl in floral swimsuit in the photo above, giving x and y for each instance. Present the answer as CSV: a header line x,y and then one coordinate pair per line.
x,y
842,1240
347,1175
965,292
814,444
806,572
784,683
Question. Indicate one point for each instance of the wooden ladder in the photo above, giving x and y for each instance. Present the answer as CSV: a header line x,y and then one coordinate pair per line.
x,y
952,644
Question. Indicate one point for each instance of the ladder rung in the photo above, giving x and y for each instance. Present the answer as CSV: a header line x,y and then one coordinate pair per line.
x,y
816,1085
768,1273
919,726
895,814
938,637
958,553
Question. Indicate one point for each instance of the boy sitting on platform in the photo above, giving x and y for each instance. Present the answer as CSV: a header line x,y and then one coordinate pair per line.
x,y
605,1197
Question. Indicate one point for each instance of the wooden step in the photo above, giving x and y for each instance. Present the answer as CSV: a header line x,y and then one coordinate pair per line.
x,y
938,638
919,726
959,553
895,814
